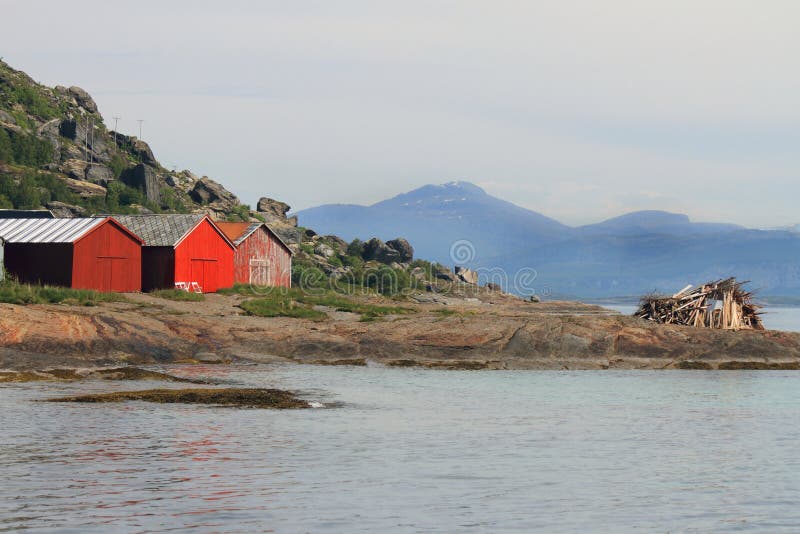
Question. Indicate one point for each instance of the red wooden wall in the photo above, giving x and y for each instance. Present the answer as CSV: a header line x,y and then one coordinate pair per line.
x,y
262,260
107,259
205,257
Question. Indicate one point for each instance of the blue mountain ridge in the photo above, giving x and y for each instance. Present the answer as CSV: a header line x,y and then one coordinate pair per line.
x,y
632,254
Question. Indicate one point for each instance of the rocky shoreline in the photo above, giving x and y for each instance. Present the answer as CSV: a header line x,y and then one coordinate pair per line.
x,y
493,332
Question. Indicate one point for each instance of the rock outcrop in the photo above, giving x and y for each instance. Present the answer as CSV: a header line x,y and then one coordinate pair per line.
x,y
468,276
377,250
213,196
275,212
403,247
144,178
494,332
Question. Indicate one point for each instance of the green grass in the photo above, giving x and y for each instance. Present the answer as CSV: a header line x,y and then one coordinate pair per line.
x,y
12,292
284,302
178,294
281,306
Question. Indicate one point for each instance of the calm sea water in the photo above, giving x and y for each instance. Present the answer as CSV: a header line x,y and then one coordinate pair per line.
x,y
414,451
774,318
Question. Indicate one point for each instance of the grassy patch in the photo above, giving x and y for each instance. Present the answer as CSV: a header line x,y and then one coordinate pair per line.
x,y
282,306
283,302
179,295
243,397
15,293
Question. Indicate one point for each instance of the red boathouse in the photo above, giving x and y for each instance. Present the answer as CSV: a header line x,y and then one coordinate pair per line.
x,y
182,249
86,253
261,258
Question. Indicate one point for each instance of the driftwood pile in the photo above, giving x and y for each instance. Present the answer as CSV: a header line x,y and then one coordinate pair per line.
x,y
722,304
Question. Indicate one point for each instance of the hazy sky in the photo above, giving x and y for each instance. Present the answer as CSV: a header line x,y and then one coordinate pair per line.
x,y
578,109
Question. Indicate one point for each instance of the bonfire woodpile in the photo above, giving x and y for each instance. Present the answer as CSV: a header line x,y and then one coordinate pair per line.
x,y
721,304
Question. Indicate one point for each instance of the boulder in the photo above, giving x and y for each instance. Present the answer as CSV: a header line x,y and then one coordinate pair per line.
x,y
207,192
377,250
142,149
65,211
324,250
443,273
99,174
403,247
273,208
74,168
83,99
491,286
183,180
7,118
144,178
84,189
337,241
467,276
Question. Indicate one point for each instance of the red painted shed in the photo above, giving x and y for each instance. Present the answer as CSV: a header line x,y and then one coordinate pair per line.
x,y
261,258
188,249
83,253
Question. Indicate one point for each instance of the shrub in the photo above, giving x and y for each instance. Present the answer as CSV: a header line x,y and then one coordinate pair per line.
x,y
33,101
356,248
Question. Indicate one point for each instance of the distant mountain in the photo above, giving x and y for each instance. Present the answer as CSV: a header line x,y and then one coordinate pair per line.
x,y
655,222
434,217
628,255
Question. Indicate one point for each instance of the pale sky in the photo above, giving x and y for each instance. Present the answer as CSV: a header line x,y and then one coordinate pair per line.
x,y
580,110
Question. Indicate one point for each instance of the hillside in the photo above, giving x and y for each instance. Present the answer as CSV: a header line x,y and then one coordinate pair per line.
x,y
629,255
57,153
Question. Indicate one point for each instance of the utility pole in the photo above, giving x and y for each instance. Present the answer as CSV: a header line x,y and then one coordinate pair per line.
x,y
90,133
86,140
116,122
140,121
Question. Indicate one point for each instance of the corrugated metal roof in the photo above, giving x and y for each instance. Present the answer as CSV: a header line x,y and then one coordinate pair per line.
x,y
47,230
160,230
